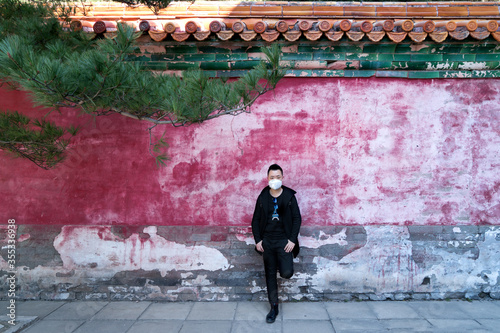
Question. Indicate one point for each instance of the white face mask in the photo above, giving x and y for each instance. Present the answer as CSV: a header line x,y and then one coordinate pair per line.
x,y
275,184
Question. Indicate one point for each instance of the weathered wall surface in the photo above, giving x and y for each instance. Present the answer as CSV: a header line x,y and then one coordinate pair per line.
x,y
396,181
179,263
358,152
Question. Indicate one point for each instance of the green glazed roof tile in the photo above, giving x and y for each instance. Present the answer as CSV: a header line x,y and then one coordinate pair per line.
x,y
297,56
402,74
154,65
213,49
327,73
485,74
423,75
166,57
386,57
455,74
375,64
180,65
181,49
380,48
459,57
413,48
230,73
328,56
361,56
231,56
324,58
215,65
427,57
488,57
358,73
244,64
199,57
480,48
401,57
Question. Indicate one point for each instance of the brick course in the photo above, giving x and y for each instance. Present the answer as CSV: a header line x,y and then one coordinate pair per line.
x,y
423,256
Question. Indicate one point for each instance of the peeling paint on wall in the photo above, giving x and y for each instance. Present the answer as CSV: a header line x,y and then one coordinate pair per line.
x,y
397,182
306,241
98,249
358,152
464,264
352,262
324,239
370,269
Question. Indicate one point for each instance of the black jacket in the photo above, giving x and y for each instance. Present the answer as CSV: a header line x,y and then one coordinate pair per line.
x,y
289,214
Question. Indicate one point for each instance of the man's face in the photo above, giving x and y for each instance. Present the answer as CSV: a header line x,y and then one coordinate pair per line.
x,y
275,174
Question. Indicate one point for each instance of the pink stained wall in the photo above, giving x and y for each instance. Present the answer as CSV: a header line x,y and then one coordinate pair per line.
x,y
358,152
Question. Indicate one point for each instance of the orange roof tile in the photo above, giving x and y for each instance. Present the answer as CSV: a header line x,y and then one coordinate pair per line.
x,y
257,10
326,10
391,11
453,11
298,10
291,20
360,11
483,11
412,11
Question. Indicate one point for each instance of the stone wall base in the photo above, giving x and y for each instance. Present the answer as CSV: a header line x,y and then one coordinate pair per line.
x,y
204,263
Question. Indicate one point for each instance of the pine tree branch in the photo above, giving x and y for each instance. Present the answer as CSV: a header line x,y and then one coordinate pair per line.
x,y
33,153
234,112
72,100
97,79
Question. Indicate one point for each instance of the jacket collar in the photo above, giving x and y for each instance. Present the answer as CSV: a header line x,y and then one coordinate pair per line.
x,y
287,193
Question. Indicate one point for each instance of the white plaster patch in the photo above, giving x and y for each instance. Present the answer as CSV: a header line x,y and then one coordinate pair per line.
x,y
418,47
98,249
306,241
473,65
200,280
23,237
255,288
150,230
247,239
459,243
384,264
480,73
457,230
383,143
401,66
438,66
458,272
323,239
459,75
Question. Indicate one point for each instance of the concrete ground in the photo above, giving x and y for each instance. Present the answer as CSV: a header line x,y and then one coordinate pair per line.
x,y
242,317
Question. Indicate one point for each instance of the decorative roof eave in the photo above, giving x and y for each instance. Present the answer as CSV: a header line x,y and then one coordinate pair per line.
x,y
416,20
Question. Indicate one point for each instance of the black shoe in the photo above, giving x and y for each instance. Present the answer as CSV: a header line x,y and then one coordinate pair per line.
x,y
271,316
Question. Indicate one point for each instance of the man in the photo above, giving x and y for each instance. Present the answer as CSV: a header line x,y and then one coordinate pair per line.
x,y
275,227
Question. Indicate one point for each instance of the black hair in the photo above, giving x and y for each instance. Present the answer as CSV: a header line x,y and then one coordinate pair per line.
x,y
275,167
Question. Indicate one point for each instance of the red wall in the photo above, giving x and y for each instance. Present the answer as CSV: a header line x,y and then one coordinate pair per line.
x,y
358,151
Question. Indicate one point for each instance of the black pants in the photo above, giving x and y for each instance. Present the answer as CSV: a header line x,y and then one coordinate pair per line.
x,y
275,258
